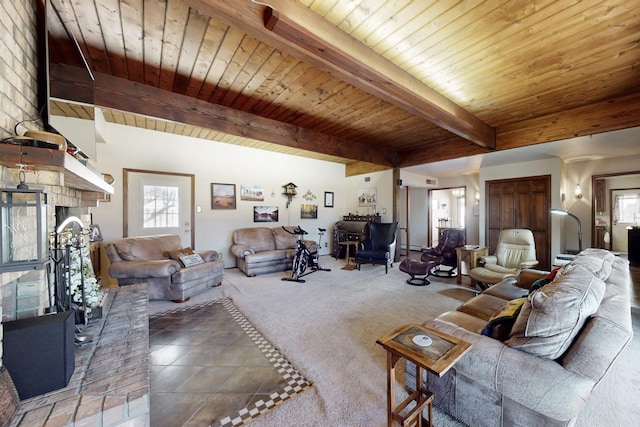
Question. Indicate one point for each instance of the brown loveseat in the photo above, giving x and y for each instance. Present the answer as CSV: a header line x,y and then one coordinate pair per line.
x,y
565,338
261,250
160,261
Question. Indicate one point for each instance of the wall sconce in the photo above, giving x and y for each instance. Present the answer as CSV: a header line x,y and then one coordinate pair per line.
x,y
23,234
578,191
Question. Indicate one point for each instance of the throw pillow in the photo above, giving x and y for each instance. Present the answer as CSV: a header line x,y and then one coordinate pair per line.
x,y
552,317
175,255
501,322
191,259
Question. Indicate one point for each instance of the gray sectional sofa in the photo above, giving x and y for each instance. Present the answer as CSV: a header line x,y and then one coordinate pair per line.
x,y
261,250
155,260
565,338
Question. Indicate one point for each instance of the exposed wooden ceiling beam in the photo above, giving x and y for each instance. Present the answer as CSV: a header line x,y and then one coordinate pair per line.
x,y
120,94
602,116
359,168
598,117
300,32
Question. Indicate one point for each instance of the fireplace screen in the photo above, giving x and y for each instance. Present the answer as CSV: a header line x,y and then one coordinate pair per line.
x,y
23,235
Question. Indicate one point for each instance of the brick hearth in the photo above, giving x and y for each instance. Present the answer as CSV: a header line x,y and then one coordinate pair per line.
x,y
110,384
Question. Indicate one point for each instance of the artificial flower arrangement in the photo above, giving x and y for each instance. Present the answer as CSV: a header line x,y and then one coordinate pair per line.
x,y
92,292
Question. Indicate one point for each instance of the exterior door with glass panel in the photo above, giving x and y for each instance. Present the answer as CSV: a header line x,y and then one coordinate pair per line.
x,y
159,203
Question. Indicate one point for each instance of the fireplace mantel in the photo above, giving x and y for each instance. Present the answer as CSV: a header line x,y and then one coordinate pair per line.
x,y
76,175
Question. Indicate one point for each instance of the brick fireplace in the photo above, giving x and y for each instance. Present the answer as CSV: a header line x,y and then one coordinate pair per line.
x,y
24,293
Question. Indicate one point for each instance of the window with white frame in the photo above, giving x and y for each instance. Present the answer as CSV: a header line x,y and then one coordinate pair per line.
x,y
626,208
161,206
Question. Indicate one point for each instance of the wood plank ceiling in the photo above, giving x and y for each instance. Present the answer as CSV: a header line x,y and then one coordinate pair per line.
x,y
372,84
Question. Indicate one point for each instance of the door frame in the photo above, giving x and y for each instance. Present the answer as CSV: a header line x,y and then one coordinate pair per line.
x,y
430,218
593,203
125,207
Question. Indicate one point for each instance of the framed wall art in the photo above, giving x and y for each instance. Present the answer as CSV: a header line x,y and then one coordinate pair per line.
x,y
308,211
265,214
367,197
95,235
328,199
223,196
253,193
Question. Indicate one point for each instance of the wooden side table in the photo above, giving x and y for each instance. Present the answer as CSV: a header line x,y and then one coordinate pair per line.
x,y
470,255
438,357
350,259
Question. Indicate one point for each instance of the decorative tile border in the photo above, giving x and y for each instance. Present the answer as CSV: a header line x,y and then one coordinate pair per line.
x,y
296,383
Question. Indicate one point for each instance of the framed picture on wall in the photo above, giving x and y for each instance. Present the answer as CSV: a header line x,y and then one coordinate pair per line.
x,y
265,214
328,199
95,235
223,196
367,197
253,193
308,211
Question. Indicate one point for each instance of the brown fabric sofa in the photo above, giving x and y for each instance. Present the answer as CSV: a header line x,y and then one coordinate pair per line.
x,y
147,259
261,250
565,337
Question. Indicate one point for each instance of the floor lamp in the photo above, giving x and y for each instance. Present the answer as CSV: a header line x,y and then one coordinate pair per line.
x,y
563,212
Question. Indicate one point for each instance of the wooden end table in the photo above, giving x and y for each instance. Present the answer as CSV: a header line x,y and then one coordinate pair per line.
x,y
351,260
470,255
438,357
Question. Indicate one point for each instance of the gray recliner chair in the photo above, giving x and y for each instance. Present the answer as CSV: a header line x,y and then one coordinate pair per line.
x,y
516,250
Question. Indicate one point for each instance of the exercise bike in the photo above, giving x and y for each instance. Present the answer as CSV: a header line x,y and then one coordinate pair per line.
x,y
303,258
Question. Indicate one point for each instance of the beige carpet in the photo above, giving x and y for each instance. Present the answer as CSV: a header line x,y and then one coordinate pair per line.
x,y
328,326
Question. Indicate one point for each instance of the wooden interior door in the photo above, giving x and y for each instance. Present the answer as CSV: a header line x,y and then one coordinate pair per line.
x,y
520,203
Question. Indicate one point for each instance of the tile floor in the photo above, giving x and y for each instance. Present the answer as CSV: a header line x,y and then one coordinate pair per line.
x,y
209,366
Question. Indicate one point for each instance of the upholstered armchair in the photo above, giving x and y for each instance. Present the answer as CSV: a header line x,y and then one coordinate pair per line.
x,y
516,250
379,246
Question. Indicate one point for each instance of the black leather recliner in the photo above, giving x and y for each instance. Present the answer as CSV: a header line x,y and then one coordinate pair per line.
x,y
445,253
379,247
432,259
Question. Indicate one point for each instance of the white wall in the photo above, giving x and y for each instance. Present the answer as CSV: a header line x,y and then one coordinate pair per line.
x,y
382,182
134,148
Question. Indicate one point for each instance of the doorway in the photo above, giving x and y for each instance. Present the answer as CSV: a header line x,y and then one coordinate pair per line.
x,y
614,209
159,203
447,210
625,213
